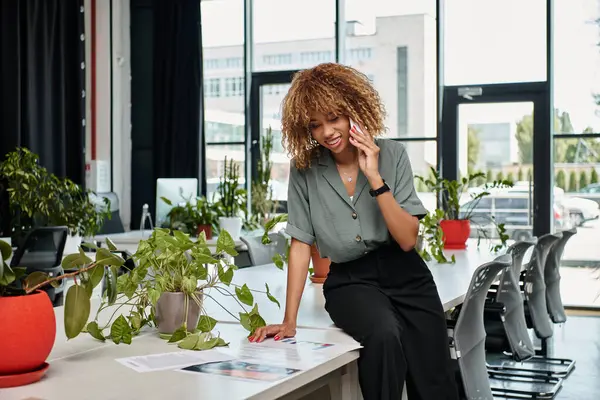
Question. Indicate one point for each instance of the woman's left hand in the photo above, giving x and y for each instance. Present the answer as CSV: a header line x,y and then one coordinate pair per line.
x,y
368,153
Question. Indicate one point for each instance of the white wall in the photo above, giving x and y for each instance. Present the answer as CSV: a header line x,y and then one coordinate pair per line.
x,y
117,153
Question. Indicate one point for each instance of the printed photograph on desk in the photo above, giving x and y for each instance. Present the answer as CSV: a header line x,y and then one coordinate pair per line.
x,y
243,370
314,346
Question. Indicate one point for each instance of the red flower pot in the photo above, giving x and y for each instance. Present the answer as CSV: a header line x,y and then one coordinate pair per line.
x,y
320,266
27,334
207,229
456,232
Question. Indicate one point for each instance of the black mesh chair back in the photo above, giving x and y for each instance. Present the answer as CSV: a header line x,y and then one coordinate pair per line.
x,y
556,310
510,295
469,333
534,285
42,250
261,254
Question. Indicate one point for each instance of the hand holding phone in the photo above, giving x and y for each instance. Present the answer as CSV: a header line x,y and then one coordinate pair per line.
x,y
355,125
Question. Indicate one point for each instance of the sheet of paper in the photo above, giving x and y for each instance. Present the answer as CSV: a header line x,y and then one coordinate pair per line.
x,y
175,360
243,369
290,352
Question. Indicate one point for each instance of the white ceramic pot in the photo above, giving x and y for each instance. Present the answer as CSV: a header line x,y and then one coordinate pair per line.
x,y
233,225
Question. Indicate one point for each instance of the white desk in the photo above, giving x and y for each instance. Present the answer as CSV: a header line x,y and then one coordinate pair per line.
x,y
86,369
452,281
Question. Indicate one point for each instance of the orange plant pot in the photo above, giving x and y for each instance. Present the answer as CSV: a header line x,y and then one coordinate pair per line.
x,y
27,335
320,266
207,229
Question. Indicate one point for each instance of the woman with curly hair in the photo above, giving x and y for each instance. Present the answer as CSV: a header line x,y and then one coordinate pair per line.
x,y
352,194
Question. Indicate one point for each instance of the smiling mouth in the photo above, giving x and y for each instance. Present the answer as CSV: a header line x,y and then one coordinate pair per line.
x,y
334,142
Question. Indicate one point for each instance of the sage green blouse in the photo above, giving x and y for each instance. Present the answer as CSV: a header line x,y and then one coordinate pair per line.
x,y
344,229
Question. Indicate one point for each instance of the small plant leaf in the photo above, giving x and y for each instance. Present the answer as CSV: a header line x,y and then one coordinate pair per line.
x,y
96,275
226,243
77,310
178,335
74,261
111,246
271,297
120,331
225,276
93,329
278,261
189,343
206,323
245,321
105,257
5,250
34,278
244,295
89,245
111,285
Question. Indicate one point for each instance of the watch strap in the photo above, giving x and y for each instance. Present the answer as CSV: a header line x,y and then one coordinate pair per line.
x,y
381,190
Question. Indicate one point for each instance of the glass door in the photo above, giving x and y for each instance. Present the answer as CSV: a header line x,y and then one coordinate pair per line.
x,y
497,131
270,162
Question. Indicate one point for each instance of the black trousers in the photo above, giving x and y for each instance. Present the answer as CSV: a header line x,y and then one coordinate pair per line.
x,y
388,302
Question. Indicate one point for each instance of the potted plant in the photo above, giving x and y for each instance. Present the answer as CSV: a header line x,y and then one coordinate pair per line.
x,y
29,325
231,199
455,216
206,217
39,198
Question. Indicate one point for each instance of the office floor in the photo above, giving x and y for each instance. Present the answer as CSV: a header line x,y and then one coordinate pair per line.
x,y
579,339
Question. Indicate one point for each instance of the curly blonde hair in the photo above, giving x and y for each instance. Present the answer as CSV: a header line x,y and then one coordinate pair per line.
x,y
327,88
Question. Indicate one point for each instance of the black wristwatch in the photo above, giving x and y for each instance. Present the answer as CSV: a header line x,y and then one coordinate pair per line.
x,y
381,190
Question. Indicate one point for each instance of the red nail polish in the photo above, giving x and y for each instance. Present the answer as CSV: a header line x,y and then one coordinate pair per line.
x,y
276,338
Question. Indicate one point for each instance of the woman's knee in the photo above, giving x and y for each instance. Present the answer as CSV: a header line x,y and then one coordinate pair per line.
x,y
384,334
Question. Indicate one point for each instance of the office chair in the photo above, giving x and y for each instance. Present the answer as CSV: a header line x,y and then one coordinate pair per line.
x,y
536,316
467,333
508,306
261,254
42,250
556,310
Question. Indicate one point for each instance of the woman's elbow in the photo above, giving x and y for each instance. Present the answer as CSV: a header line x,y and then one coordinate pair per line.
x,y
408,245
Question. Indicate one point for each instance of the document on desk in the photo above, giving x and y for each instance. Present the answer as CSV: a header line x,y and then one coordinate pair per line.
x,y
289,352
270,360
174,360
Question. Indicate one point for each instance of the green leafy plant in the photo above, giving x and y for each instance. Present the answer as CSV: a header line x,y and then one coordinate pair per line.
x,y
231,195
164,263
175,263
188,216
449,193
279,259
39,198
433,246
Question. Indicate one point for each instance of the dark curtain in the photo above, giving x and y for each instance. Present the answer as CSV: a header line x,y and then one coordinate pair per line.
x,y
176,88
166,96
43,78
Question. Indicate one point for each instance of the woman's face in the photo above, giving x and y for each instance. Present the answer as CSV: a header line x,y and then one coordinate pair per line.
x,y
331,131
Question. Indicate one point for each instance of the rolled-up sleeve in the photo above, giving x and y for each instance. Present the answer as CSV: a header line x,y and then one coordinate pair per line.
x,y
404,191
299,223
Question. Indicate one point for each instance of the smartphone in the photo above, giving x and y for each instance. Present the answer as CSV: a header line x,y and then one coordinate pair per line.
x,y
354,124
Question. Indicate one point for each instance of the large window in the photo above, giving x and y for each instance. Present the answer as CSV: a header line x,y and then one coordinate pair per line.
x,y
290,35
577,143
495,41
393,43
224,118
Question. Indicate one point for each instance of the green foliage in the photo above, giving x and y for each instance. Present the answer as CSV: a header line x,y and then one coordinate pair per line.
x,y
510,177
520,174
175,263
473,146
263,204
39,198
583,179
231,195
187,217
489,177
433,248
594,176
560,179
572,182
279,259
450,193
500,176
